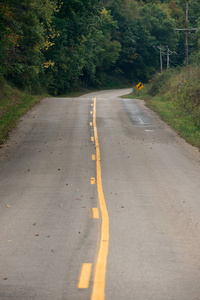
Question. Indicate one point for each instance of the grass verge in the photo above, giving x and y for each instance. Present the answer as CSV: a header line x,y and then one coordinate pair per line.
x,y
13,104
175,98
178,119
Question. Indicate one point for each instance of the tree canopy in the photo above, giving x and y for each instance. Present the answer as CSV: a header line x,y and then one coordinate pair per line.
x,y
59,44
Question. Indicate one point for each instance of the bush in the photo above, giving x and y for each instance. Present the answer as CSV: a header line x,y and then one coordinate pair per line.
x,y
161,82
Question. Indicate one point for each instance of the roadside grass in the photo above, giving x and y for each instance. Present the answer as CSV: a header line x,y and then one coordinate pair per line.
x,y
13,104
136,94
175,96
178,119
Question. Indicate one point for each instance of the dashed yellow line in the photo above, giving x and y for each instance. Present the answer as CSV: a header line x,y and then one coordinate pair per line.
x,y
92,180
95,213
93,157
98,291
84,279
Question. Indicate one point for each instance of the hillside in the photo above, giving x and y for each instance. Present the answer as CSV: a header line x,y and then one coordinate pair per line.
x,y
175,95
13,104
58,45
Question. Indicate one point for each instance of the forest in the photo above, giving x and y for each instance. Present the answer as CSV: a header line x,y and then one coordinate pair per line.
x,y
53,46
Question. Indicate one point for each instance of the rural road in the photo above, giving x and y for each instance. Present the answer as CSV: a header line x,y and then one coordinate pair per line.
x,y
99,199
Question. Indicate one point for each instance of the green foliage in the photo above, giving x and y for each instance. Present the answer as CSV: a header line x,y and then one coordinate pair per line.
x,y
160,26
176,95
126,32
177,14
26,35
13,105
141,27
182,87
84,47
180,120
161,82
60,44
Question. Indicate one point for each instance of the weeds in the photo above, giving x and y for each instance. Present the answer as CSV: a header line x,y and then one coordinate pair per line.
x,y
175,96
13,104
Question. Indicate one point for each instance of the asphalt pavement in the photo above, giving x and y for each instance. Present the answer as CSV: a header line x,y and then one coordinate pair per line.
x,y
99,199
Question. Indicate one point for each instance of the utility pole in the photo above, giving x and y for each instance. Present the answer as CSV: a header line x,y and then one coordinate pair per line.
x,y
162,52
186,35
161,68
187,30
169,52
167,58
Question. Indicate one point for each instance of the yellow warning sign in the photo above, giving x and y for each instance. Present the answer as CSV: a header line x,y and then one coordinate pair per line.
x,y
139,86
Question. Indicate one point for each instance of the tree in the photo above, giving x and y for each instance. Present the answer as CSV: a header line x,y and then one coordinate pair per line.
x,y
84,47
157,30
141,28
27,31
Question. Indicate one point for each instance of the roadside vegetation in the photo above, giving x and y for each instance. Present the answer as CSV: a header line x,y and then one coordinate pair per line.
x,y
54,46
175,96
68,47
14,103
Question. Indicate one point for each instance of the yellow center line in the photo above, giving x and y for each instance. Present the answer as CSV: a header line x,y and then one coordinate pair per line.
x,y
93,157
92,180
84,278
95,213
98,292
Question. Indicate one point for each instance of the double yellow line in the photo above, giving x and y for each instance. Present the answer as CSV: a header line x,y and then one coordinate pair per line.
x,y
98,292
